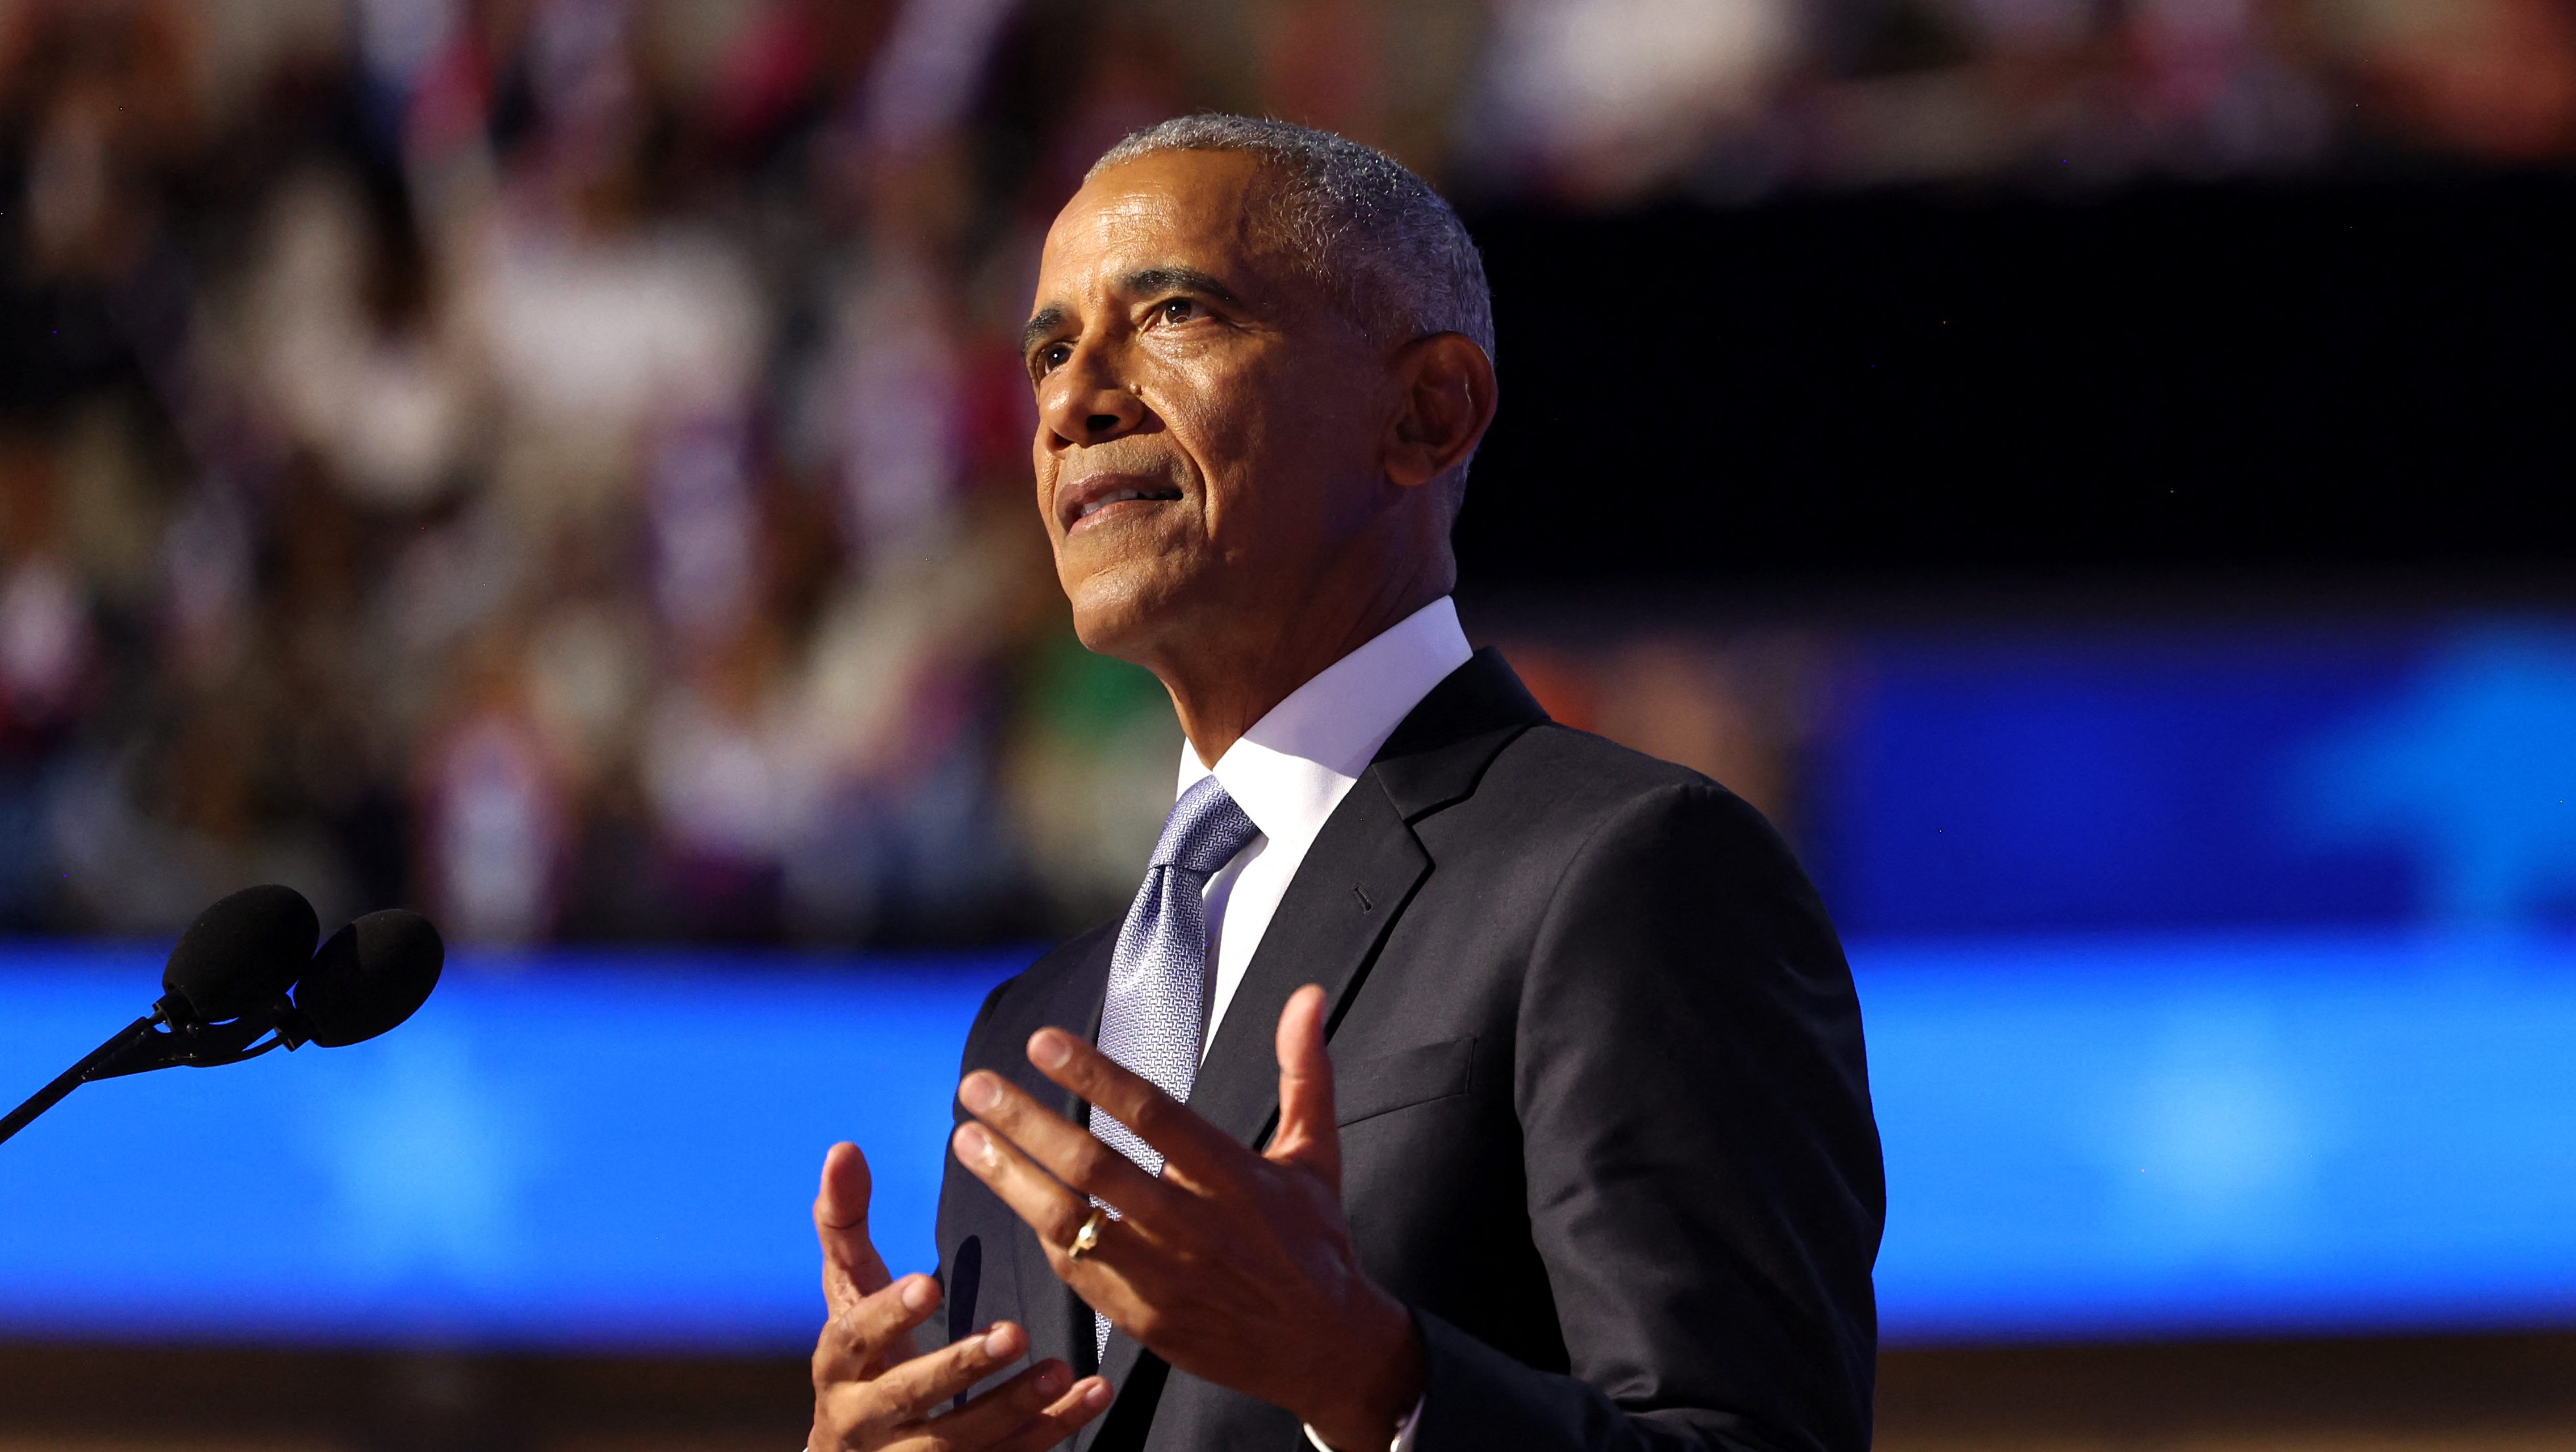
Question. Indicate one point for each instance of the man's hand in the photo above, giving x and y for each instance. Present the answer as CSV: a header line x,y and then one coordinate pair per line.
x,y
1234,1267
869,1394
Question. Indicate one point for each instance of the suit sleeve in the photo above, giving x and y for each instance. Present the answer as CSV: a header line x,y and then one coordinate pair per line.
x,y
1703,1170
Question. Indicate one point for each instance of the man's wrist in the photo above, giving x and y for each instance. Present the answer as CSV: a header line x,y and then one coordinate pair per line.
x,y
1402,1441
1383,1383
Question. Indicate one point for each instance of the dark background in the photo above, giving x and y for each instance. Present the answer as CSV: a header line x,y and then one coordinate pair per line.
x,y
2334,379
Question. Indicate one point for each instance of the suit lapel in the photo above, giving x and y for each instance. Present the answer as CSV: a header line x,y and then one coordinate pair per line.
x,y
1354,883
1355,880
1348,892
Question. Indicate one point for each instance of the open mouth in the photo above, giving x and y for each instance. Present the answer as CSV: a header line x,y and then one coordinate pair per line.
x,y
1099,495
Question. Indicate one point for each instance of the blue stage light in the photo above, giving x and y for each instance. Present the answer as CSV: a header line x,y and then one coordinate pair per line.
x,y
2093,1136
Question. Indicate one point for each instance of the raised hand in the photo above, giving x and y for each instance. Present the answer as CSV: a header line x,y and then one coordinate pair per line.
x,y
871,1393
1233,1266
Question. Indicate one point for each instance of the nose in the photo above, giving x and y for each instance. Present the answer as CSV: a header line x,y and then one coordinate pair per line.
x,y
1083,403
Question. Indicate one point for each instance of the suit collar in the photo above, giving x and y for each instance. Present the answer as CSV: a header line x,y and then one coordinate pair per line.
x,y
1292,768
1440,751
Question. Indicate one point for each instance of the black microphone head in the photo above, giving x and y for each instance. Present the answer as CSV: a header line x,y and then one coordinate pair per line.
x,y
372,975
240,954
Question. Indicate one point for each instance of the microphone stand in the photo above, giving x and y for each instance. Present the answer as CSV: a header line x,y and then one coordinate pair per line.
x,y
144,1045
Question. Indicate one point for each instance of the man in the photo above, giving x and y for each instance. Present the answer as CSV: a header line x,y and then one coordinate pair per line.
x,y
1590,1161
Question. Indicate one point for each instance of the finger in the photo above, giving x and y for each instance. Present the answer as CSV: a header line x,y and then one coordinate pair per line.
x,y
1129,1260
1067,1151
1050,1209
1199,1151
1088,1399
852,1269
856,1342
1004,1409
917,1388
1307,1136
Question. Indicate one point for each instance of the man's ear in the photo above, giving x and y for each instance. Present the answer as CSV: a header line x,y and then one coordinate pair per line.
x,y
1445,405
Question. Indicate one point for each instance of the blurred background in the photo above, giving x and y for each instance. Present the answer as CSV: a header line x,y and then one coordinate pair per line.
x,y
2092,470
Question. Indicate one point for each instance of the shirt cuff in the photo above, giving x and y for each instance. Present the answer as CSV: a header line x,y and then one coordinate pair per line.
x,y
1403,1431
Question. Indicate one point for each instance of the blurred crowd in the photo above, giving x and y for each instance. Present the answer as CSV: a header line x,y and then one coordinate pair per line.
x,y
563,463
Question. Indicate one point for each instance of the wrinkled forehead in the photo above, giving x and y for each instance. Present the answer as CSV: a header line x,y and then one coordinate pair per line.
x,y
1207,209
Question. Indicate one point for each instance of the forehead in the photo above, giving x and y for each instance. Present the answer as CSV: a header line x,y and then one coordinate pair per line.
x,y
1198,207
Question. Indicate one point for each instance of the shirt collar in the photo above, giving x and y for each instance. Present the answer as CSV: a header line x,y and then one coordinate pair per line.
x,y
1290,770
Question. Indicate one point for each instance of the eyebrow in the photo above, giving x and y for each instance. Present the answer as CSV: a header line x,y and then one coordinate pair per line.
x,y
1168,278
1176,278
1046,320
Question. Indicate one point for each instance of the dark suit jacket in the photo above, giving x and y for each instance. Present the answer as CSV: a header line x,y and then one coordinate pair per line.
x,y
1605,1120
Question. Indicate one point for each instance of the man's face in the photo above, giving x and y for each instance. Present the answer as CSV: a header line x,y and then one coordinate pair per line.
x,y
1208,422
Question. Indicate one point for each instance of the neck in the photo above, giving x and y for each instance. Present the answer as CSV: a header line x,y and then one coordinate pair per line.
x,y
1222,690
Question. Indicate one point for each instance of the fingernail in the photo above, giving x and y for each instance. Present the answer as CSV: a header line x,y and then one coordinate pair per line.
x,y
997,1342
1050,1049
1051,1380
1098,1397
919,1294
980,1092
973,1144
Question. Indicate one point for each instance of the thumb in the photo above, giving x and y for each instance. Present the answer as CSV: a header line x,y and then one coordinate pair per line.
x,y
1307,1137
852,1269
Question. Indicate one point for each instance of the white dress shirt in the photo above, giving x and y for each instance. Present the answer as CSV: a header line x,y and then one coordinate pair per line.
x,y
1292,768
1288,773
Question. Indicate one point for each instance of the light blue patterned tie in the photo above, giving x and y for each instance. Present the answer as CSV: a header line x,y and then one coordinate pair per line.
x,y
1156,1013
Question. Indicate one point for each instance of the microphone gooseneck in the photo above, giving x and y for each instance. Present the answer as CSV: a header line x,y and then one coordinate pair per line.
x,y
226,990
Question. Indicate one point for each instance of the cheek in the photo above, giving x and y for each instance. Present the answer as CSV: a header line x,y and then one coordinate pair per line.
x,y
1279,473
1240,452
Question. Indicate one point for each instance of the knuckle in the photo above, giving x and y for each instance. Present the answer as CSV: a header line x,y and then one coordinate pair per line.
x,y
829,1353
939,1384
856,1340
888,1403
1074,1209
844,1409
1030,1394
1153,1112
1090,1157
882,1406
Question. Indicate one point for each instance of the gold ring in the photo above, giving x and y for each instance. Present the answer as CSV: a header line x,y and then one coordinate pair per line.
x,y
1087,1239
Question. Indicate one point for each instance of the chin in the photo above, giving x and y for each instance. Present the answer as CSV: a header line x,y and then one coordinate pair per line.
x,y
1123,613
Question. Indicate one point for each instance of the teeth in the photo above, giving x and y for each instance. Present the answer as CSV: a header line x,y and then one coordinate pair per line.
x,y
1114,496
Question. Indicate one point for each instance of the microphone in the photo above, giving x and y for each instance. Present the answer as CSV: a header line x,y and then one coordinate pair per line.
x,y
372,975
238,956
245,979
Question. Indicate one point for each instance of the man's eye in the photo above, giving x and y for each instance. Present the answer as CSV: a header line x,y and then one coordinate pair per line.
x,y
1052,356
1178,310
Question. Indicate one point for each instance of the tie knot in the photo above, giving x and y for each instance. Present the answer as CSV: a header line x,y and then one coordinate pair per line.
x,y
1204,831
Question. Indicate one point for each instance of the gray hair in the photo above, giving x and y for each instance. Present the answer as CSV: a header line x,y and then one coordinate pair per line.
x,y
1356,217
